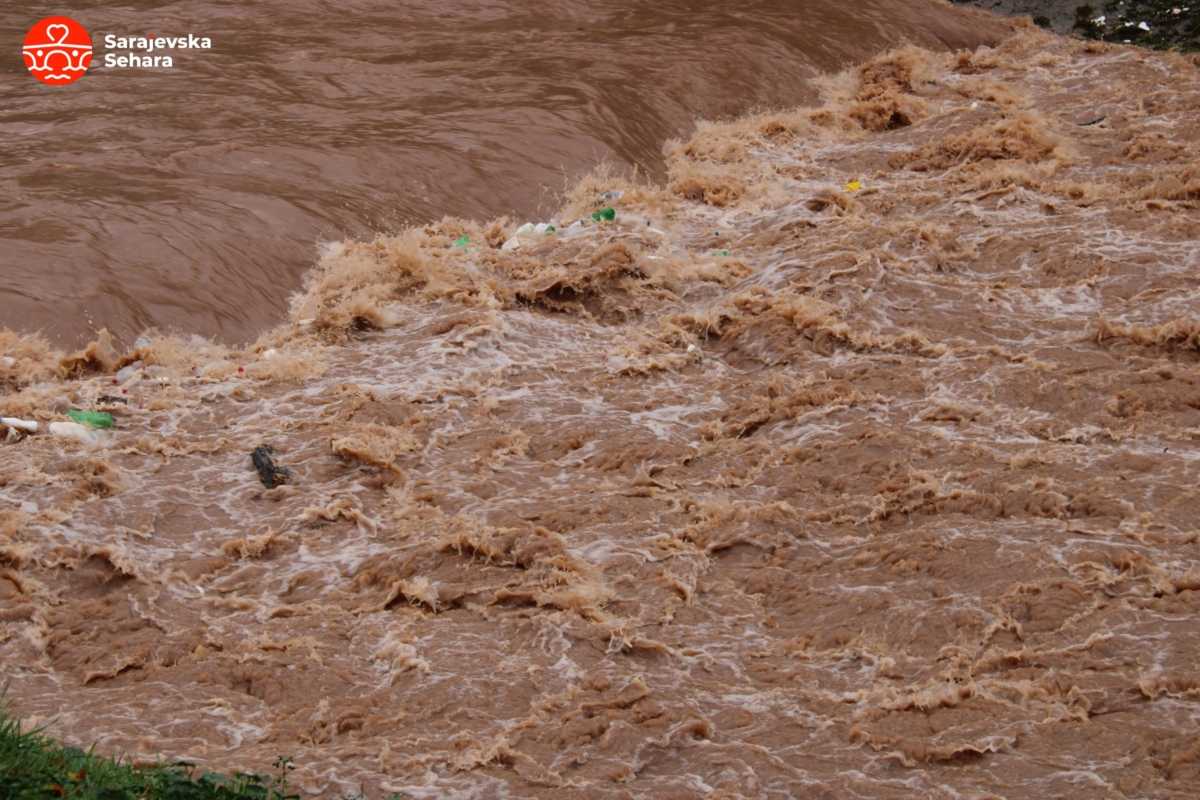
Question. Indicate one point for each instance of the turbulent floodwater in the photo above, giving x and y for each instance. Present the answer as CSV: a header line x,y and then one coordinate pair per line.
x,y
856,459
193,200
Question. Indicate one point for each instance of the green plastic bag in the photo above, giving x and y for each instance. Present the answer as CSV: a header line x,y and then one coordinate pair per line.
x,y
93,419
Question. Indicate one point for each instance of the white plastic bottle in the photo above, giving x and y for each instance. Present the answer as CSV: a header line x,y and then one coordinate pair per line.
x,y
27,425
73,430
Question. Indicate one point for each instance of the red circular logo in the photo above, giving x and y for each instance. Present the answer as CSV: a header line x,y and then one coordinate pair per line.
x,y
58,50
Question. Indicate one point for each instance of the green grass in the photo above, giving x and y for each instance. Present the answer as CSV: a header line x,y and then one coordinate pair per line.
x,y
34,767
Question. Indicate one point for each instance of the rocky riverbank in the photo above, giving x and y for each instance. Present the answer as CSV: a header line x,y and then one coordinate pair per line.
x,y
1159,24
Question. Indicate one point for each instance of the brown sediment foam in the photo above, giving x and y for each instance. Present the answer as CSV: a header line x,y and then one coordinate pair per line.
x,y
1023,137
887,96
375,445
1178,334
94,477
880,493
1179,184
711,188
99,356
250,546
31,356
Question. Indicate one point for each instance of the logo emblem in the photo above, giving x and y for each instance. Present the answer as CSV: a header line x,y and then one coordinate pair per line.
x,y
58,50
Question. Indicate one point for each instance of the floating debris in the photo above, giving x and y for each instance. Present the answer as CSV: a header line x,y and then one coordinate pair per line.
x,y
73,430
26,425
528,231
92,419
270,473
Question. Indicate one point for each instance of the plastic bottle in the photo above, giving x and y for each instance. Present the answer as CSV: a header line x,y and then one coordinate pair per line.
x,y
127,372
73,430
27,425
514,241
527,231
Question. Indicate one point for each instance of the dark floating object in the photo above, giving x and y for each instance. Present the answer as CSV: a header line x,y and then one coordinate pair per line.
x,y
108,399
1093,121
270,473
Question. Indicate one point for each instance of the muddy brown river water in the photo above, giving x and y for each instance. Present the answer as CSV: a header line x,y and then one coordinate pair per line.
x,y
856,457
195,199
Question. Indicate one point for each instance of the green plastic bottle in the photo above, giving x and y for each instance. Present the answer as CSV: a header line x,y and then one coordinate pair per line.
x,y
608,214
